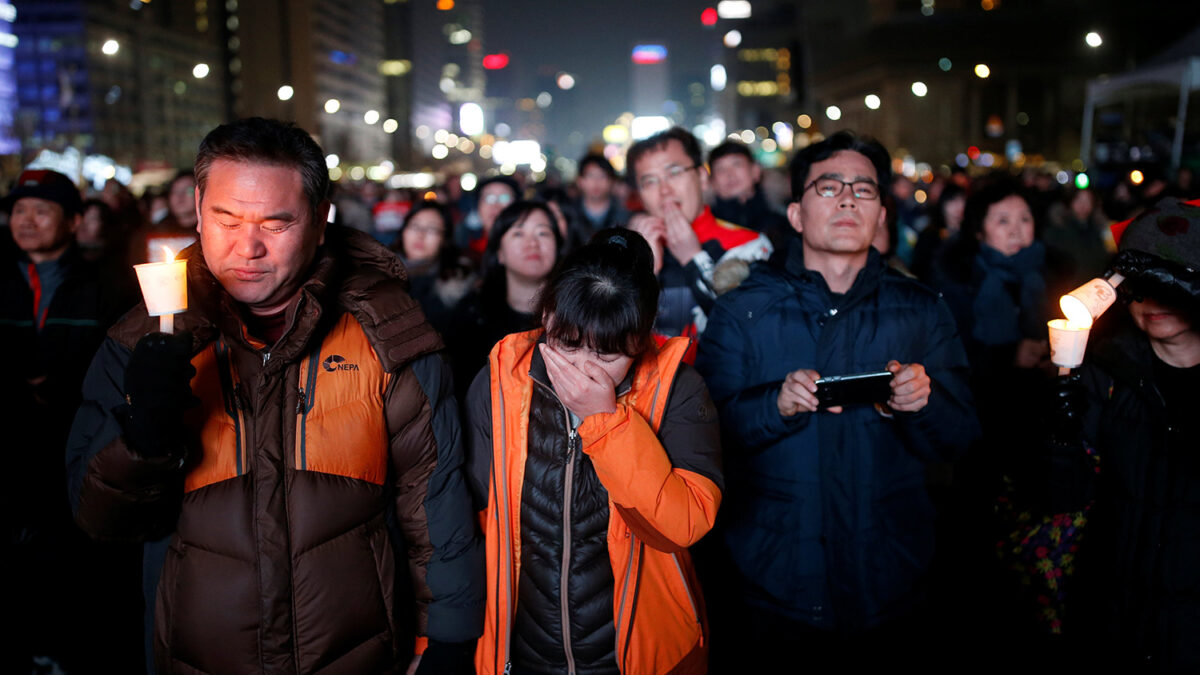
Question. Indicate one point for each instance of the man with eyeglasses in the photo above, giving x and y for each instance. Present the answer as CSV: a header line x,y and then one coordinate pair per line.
x,y
689,243
494,195
827,521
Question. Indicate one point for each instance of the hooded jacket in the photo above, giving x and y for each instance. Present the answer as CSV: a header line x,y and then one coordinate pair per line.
x,y
318,468
657,459
1136,601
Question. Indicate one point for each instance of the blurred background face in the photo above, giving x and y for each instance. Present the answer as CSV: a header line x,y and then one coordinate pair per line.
x,y
595,184
492,200
423,236
1082,205
1008,225
182,201
734,177
41,228
527,249
952,212
91,229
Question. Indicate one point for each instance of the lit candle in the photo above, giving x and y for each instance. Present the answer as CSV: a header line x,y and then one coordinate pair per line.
x,y
1090,300
1068,342
164,287
1068,337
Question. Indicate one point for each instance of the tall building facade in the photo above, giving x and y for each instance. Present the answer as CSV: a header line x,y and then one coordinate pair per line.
x,y
138,82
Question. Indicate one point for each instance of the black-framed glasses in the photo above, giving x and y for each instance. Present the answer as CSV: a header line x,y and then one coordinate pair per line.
x,y
830,188
673,173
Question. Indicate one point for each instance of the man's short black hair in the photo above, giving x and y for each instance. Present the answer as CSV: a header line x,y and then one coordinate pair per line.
x,y
657,142
272,142
593,159
729,148
503,180
842,140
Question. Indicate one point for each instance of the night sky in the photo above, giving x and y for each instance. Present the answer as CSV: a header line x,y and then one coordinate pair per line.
x,y
592,40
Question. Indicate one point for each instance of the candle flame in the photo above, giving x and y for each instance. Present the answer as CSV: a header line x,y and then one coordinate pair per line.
x,y
1078,316
170,257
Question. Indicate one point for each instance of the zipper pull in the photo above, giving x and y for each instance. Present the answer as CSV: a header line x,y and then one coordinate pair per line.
x,y
300,402
266,357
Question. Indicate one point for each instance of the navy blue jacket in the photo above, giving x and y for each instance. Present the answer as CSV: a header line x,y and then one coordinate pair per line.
x,y
827,516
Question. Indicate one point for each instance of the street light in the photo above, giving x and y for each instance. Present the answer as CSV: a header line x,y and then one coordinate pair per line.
x,y
332,105
717,77
733,38
982,71
285,93
371,116
919,89
1093,39
200,71
872,101
834,113
110,47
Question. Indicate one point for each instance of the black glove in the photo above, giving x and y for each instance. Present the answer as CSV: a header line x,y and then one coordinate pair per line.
x,y
1068,402
1162,279
157,392
447,658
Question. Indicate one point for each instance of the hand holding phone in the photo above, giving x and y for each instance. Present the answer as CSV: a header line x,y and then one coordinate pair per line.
x,y
854,389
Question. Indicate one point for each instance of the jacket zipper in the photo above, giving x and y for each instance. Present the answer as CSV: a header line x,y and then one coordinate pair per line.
x,y
565,564
564,571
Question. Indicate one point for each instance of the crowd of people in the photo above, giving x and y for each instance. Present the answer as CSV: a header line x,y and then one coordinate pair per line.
x,y
673,421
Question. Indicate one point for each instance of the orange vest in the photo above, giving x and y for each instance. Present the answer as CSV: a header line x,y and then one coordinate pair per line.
x,y
340,424
655,512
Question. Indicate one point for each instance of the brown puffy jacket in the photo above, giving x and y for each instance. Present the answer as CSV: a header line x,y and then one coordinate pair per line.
x,y
315,472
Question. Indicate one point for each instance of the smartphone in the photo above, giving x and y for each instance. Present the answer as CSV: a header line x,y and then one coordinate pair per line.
x,y
856,389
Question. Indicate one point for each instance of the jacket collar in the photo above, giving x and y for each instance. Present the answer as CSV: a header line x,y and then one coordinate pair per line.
x,y
864,284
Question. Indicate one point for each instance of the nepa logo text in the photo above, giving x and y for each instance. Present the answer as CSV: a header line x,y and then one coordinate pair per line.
x,y
334,362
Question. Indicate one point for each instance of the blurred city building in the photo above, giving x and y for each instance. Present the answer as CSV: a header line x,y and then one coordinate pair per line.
x,y
966,82
140,83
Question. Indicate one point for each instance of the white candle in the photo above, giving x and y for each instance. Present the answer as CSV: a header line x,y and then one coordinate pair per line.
x,y
164,287
1068,342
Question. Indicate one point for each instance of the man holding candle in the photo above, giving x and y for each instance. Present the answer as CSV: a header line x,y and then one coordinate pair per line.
x,y
828,524
293,459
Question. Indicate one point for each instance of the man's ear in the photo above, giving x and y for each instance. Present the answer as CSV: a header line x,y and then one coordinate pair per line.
x,y
882,222
196,199
793,216
73,222
702,170
322,217
756,172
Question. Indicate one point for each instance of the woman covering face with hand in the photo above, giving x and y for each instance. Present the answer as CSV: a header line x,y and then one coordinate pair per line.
x,y
594,457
